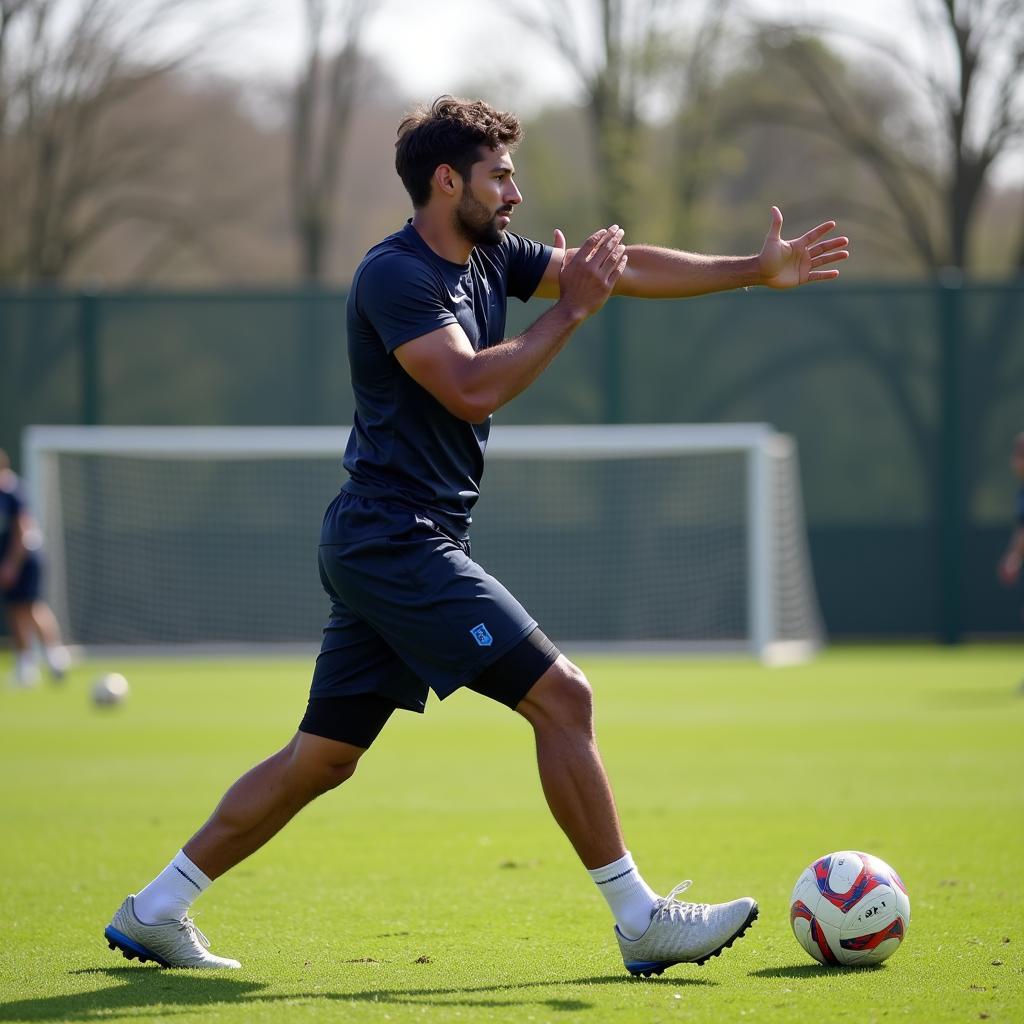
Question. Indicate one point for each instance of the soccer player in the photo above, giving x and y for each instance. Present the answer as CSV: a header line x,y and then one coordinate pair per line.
x,y
28,615
1010,563
410,609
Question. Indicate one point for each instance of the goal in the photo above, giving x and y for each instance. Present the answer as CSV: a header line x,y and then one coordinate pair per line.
x,y
661,537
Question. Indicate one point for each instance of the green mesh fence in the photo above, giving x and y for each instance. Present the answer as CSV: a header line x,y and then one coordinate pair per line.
x,y
903,401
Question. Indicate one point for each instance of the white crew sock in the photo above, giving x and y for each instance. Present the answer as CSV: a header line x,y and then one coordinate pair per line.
x,y
58,657
169,896
630,898
26,670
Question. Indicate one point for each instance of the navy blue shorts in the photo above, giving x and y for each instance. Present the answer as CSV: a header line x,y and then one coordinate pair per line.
x,y
410,609
28,586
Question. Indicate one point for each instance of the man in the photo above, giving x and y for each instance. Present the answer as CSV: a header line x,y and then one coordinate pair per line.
x,y
28,615
1009,567
1010,563
411,611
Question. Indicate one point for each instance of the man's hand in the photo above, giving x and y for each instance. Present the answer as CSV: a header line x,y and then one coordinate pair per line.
x,y
587,277
786,264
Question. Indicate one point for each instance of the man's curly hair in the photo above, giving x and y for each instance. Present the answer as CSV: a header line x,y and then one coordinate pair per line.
x,y
450,131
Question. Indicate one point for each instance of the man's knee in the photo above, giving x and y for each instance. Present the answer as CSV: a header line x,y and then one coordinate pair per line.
x,y
320,765
561,697
333,775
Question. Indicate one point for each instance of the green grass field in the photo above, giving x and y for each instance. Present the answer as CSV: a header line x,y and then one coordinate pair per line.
x,y
434,887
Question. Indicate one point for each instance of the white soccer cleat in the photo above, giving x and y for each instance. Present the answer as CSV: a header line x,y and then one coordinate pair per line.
x,y
685,933
169,944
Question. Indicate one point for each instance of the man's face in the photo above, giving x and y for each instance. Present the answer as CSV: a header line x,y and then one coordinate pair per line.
x,y
489,195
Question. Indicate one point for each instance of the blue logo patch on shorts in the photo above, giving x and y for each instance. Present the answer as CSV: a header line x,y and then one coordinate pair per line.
x,y
482,635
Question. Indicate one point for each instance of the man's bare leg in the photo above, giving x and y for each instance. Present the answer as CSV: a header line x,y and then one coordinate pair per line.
x,y
45,624
267,797
559,706
652,933
19,616
154,925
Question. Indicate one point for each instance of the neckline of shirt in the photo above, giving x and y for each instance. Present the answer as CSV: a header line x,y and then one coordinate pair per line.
x,y
421,243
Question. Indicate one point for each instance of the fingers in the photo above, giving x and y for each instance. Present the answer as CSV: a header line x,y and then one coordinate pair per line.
x,y
840,242
618,269
608,256
602,244
590,277
559,239
832,250
810,237
829,257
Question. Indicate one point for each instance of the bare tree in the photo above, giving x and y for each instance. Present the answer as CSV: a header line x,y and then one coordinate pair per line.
x,y
698,122
323,103
69,171
617,50
954,110
969,90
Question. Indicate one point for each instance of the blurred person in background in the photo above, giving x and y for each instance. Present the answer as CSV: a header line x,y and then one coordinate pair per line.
x,y
29,616
1010,563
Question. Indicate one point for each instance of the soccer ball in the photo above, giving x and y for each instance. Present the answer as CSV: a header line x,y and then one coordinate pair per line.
x,y
109,689
849,909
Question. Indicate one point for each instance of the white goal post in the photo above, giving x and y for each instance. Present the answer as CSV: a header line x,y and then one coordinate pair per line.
x,y
656,537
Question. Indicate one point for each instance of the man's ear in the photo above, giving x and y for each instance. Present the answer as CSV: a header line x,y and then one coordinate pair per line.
x,y
447,179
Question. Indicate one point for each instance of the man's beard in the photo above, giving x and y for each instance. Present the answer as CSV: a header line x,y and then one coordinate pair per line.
x,y
476,223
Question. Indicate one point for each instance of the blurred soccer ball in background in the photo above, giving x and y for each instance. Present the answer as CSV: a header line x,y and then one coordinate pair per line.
x,y
849,909
111,688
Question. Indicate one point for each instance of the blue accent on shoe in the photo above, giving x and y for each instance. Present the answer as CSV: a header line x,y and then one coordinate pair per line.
x,y
130,946
647,966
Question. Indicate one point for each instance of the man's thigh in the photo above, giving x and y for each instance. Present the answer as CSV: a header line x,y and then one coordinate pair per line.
x,y
440,614
355,659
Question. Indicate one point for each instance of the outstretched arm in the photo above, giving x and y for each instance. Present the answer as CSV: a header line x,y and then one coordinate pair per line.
x,y
657,273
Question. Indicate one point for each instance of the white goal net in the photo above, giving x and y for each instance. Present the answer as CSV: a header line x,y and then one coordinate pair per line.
x,y
681,537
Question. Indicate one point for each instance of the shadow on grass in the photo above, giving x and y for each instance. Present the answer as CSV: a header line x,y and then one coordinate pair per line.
x,y
169,993
809,971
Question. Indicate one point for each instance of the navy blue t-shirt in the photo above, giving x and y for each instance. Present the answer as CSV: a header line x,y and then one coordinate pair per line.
x,y
405,447
12,504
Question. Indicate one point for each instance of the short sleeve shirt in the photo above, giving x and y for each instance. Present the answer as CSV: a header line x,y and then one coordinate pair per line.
x,y
405,447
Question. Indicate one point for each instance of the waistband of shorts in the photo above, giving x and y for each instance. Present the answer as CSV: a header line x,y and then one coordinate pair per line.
x,y
392,503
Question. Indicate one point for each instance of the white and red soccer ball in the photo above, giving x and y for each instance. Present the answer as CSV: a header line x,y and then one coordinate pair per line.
x,y
849,909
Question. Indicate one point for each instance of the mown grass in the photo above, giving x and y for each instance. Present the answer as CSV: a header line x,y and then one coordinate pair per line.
x,y
435,887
